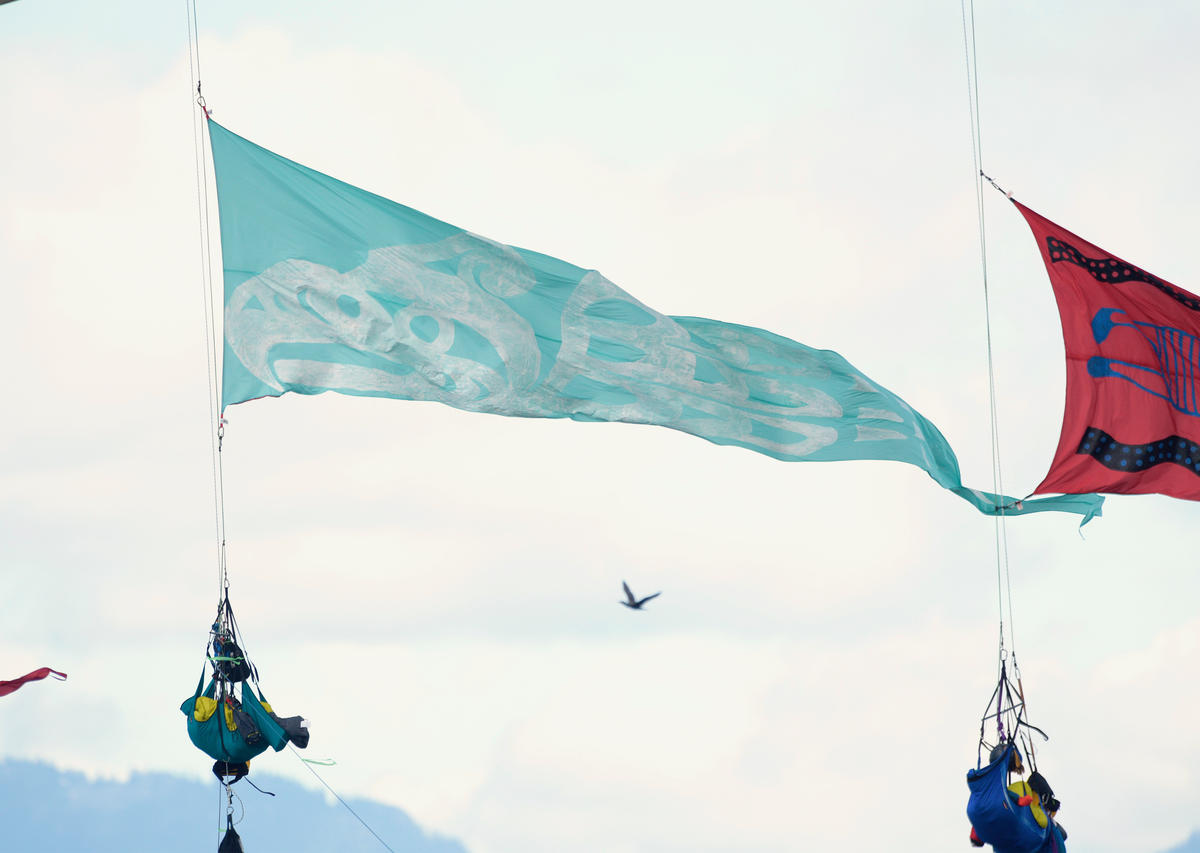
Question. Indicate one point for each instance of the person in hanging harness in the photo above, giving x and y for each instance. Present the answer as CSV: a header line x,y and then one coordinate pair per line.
x,y
1034,794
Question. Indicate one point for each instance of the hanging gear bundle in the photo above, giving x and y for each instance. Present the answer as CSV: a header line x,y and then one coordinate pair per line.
x,y
229,719
1016,817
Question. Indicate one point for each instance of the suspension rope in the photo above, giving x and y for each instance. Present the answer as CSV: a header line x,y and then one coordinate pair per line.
x,y
1003,574
220,811
216,425
216,421
308,764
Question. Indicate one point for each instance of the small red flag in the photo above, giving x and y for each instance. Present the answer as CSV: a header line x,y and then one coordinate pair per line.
x,y
1132,419
7,687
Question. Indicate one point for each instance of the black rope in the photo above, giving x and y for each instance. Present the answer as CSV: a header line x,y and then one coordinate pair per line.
x,y
1003,191
255,787
1011,706
1029,725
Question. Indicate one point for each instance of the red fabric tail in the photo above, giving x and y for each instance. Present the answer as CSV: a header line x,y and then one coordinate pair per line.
x,y
7,687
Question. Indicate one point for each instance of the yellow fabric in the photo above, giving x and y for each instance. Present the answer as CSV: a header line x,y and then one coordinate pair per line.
x,y
267,707
205,708
1021,789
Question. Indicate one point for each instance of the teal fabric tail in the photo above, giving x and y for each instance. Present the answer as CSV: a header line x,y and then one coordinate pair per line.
x,y
332,288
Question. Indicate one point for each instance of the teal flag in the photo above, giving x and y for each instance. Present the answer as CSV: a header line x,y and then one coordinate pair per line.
x,y
332,288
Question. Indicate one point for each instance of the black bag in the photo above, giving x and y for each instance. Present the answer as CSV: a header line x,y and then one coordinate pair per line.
x,y
1039,786
227,770
229,661
231,843
245,725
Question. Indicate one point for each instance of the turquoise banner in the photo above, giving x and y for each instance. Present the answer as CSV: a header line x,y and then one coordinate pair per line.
x,y
331,288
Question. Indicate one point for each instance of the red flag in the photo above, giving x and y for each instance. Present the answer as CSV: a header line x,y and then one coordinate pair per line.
x,y
7,687
1132,418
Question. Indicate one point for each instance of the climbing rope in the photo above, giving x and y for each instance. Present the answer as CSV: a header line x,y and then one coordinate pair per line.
x,y
216,419
1003,572
1017,710
225,794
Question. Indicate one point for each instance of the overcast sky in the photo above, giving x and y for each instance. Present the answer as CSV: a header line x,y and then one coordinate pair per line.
x,y
436,590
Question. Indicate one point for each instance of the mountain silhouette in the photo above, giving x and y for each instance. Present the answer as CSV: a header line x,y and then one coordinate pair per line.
x,y
53,810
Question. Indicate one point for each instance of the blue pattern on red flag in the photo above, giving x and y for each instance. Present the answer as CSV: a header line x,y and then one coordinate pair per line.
x,y
1133,366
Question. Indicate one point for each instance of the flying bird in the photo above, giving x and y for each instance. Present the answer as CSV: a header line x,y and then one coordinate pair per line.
x,y
632,601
